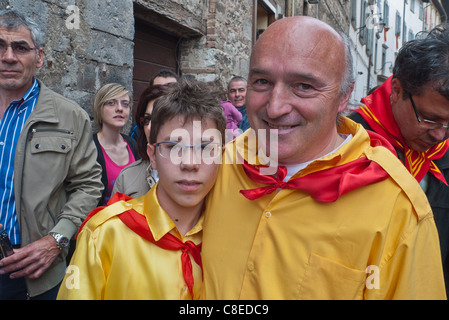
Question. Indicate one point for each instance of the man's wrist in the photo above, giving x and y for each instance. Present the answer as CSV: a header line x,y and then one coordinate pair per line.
x,y
61,241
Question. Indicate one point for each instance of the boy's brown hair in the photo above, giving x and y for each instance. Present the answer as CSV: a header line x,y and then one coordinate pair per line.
x,y
188,99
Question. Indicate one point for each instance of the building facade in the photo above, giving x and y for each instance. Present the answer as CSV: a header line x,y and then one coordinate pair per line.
x,y
378,29
93,42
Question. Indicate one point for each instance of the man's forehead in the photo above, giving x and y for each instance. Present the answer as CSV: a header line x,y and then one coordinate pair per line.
x,y
237,84
18,34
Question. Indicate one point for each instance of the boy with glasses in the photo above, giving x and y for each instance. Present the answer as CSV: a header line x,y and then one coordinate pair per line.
x,y
149,247
411,110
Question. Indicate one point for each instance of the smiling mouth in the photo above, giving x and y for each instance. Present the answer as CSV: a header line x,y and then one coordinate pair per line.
x,y
280,127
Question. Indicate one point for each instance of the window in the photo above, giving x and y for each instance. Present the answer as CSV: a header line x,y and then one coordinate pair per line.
x,y
421,11
369,42
363,17
354,13
386,15
398,23
266,15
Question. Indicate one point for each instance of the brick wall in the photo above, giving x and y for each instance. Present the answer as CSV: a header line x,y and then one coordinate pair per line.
x,y
224,50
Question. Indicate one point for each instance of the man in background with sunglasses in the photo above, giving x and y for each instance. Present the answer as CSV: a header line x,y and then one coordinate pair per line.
x,y
49,175
411,110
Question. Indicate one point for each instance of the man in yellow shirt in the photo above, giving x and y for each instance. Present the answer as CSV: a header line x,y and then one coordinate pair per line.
x,y
149,247
341,218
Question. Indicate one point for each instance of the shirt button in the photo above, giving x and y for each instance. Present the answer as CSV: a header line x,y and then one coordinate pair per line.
x,y
2,143
268,214
251,267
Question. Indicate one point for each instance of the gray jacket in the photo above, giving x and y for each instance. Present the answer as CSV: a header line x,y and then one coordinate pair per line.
x,y
136,179
56,176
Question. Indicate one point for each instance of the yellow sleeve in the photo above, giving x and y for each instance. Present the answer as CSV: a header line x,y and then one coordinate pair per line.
x,y
85,276
414,270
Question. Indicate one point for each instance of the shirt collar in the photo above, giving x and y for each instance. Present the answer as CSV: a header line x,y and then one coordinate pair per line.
x,y
347,152
159,221
32,91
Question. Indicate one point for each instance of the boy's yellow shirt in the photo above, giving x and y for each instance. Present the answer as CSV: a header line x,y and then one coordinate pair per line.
x,y
113,262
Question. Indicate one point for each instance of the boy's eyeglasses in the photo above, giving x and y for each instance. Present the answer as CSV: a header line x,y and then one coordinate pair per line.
x,y
144,121
176,150
424,123
19,49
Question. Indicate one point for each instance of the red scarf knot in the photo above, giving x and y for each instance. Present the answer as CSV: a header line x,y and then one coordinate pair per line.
x,y
138,223
323,186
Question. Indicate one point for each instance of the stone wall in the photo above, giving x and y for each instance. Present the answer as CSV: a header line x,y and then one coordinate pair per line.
x,y
335,12
223,52
86,45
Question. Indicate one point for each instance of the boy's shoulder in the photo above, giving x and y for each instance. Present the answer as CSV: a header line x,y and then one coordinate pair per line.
x,y
115,207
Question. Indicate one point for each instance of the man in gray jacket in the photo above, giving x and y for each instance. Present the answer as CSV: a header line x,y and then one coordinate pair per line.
x,y
50,179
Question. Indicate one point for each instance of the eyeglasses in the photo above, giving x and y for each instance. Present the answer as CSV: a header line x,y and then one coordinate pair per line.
x,y
424,123
115,102
176,150
19,49
144,121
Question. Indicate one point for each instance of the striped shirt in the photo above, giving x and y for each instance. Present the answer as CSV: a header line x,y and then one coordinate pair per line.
x,y
10,128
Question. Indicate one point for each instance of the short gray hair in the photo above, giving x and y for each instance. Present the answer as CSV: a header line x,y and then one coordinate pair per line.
x,y
348,76
237,78
13,20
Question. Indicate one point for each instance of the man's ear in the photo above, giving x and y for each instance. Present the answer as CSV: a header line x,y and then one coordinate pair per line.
x,y
344,99
396,91
40,58
151,154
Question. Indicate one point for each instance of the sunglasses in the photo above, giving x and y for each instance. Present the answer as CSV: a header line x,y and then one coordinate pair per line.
x,y
144,121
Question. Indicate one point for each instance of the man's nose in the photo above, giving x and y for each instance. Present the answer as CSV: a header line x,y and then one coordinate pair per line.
x,y
439,134
278,104
9,56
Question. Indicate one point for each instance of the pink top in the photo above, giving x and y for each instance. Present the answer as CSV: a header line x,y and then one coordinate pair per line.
x,y
233,116
113,170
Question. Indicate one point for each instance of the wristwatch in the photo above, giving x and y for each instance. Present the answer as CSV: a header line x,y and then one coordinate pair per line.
x,y
61,241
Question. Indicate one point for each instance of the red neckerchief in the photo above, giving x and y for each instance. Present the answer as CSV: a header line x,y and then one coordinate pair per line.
x,y
138,223
377,113
325,185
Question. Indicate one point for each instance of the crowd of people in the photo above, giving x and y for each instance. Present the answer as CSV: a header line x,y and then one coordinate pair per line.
x,y
358,207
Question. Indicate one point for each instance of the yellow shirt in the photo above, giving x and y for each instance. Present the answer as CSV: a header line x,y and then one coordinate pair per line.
x,y
376,242
113,262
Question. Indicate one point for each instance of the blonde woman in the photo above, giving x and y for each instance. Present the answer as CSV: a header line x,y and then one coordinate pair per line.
x,y
111,110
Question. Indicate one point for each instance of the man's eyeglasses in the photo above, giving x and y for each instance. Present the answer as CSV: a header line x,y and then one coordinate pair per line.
x,y
144,121
19,49
424,123
176,150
